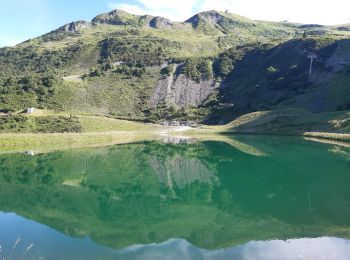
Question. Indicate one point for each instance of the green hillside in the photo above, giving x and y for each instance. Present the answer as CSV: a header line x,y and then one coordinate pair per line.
x,y
117,64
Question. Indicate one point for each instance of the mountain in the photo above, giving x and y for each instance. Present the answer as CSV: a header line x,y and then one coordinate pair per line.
x,y
119,17
211,68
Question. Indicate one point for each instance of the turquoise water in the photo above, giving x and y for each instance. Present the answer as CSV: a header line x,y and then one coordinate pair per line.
x,y
246,197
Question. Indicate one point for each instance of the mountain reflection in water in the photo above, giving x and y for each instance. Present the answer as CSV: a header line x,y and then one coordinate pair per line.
x,y
213,194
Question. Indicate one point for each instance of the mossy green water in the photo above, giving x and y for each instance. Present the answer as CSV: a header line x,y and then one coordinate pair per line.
x,y
212,194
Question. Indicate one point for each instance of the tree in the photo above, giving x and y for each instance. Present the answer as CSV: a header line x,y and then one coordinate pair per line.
x,y
205,68
169,70
198,69
190,70
29,83
226,66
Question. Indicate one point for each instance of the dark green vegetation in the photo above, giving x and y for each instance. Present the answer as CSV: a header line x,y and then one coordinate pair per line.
x,y
198,70
273,78
113,67
212,194
46,124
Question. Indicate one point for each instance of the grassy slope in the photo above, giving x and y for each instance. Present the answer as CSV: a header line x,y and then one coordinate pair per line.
x,y
125,96
104,124
334,125
71,55
115,94
252,87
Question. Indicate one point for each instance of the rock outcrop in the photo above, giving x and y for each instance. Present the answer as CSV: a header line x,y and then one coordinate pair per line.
x,y
181,91
160,22
119,17
340,58
224,22
75,26
212,17
115,17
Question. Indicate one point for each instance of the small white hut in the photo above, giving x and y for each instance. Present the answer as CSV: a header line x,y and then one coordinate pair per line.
x,y
31,110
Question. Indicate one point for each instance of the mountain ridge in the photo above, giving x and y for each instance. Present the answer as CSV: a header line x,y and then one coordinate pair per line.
x,y
212,68
120,17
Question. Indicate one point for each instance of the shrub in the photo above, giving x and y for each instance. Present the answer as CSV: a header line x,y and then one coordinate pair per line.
x,y
169,70
226,66
198,69
48,124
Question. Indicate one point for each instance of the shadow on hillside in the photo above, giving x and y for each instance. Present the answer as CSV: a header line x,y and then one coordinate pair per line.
x,y
267,78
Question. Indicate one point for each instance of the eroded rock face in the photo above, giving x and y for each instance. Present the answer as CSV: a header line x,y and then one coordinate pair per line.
x,y
160,22
181,91
340,58
75,26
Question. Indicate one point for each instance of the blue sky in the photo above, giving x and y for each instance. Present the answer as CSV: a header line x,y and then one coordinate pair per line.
x,y
24,19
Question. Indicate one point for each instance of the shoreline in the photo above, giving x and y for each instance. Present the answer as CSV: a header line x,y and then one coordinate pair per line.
x,y
22,142
57,141
103,131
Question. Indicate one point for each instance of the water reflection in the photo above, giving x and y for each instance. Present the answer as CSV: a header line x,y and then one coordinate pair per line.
x,y
50,244
305,248
178,140
213,194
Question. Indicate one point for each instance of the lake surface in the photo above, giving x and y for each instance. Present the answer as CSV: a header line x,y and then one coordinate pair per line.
x,y
243,197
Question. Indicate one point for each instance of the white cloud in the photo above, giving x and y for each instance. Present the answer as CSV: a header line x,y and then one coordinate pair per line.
x,y
310,11
221,5
303,11
178,10
133,9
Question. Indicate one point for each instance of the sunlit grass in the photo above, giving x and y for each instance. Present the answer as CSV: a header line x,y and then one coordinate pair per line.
x,y
333,125
27,142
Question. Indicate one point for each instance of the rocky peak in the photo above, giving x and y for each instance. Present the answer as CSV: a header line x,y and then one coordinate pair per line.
x,y
75,26
120,17
115,17
118,12
212,17
222,21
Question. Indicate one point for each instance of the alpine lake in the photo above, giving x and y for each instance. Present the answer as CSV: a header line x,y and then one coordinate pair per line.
x,y
239,197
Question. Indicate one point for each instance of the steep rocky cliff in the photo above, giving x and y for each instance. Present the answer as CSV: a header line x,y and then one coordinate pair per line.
x,y
181,91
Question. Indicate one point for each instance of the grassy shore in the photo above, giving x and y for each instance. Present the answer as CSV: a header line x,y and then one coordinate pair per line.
x,y
43,142
335,125
101,131
95,131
